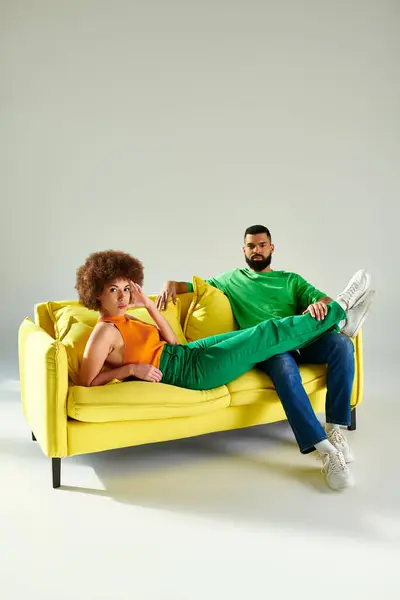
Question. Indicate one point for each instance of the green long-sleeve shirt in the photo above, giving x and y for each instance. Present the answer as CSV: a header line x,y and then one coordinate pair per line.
x,y
257,297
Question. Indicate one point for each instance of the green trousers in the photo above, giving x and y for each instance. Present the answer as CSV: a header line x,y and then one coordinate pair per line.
x,y
217,360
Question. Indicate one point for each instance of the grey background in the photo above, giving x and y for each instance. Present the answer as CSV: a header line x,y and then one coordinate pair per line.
x,y
166,128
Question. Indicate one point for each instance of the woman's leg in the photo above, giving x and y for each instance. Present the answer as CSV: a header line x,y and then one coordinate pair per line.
x,y
212,340
208,365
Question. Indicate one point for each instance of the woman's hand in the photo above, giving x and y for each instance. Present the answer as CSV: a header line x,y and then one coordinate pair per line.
x,y
138,298
146,372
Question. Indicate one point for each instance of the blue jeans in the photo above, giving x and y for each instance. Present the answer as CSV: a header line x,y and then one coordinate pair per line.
x,y
335,350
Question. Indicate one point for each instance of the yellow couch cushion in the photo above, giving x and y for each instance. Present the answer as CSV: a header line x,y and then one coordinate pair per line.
x,y
172,314
73,324
75,341
140,400
64,313
255,386
210,312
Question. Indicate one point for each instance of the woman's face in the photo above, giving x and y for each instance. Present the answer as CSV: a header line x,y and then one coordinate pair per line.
x,y
115,297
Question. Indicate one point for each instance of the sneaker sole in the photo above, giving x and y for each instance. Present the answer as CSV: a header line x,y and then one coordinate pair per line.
x,y
367,289
349,458
348,484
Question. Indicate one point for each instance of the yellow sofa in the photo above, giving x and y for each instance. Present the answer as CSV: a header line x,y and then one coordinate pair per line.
x,y
67,419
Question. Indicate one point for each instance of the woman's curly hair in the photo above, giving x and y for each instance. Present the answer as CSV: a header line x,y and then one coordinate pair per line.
x,y
101,268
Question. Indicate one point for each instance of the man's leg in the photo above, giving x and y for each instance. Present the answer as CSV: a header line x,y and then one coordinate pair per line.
x,y
337,352
221,359
285,375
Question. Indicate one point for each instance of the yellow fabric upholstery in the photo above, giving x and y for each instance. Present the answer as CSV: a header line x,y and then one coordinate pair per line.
x,y
252,386
153,415
95,437
64,314
358,384
210,312
172,314
75,342
44,387
140,400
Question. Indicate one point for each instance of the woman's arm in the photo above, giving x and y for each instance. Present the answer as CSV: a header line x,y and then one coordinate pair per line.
x,y
162,324
97,349
164,327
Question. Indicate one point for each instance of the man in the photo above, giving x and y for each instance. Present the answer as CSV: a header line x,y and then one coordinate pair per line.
x,y
258,293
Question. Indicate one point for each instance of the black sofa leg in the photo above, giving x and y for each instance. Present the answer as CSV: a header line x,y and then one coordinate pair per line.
x,y
353,424
56,468
33,437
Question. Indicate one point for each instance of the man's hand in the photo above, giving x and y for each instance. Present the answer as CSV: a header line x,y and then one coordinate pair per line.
x,y
146,373
169,291
318,310
138,298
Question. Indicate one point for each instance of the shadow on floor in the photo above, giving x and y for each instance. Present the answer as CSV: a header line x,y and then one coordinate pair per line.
x,y
254,476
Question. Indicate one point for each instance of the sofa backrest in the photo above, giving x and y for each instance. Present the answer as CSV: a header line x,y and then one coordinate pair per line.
x,y
44,320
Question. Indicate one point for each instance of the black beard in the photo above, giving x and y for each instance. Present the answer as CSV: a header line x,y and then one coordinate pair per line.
x,y
259,265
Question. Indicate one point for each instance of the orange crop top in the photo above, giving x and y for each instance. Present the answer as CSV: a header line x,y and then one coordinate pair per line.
x,y
142,344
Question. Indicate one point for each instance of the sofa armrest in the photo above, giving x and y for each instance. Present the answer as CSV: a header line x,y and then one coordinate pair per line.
x,y
43,369
358,386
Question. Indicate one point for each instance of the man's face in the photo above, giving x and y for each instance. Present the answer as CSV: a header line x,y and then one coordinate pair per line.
x,y
258,251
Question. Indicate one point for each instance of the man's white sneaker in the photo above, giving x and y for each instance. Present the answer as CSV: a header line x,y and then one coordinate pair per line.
x,y
338,439
337,473
356,316
355,290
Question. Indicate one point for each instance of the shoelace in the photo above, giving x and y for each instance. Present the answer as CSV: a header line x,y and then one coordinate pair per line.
x,y
336,436
352,288
351,291
336,462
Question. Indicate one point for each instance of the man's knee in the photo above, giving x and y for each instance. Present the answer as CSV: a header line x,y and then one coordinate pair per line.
x,y
281,366
341,346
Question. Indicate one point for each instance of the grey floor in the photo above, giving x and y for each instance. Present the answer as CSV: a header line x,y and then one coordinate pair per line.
x,y
232,515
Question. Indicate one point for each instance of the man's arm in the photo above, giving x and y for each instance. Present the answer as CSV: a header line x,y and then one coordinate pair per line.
x,y
311,300
318,310
170,290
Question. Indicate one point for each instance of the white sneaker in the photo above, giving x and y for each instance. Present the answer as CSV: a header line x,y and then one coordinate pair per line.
x,y
337,473
338,439
356,316
355,290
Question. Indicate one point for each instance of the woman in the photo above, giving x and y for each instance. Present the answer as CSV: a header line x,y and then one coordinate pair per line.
x,y
110,282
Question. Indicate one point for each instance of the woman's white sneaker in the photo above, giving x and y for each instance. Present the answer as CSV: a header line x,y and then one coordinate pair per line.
x,y
338,439
337,473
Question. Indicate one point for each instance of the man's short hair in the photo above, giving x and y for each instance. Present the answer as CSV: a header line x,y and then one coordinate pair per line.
x,y
255,229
